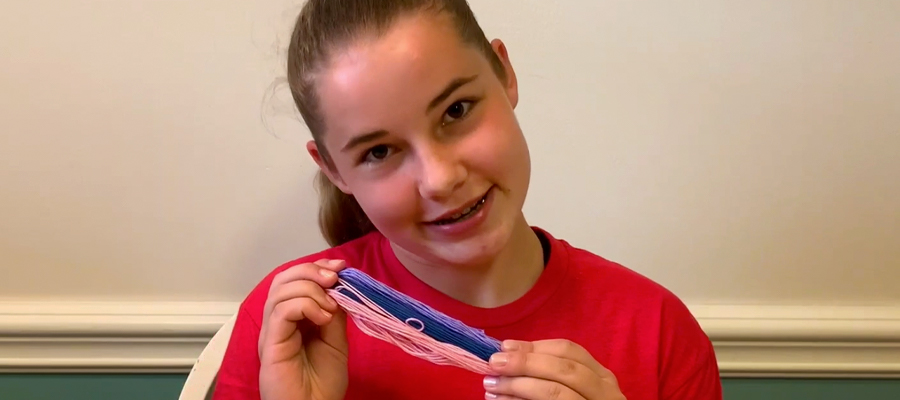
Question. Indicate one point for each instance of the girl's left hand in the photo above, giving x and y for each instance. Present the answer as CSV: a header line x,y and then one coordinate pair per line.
x,y
549,370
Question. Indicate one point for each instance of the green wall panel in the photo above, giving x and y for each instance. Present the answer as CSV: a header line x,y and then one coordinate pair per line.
x,y
811,389
167,387
90,387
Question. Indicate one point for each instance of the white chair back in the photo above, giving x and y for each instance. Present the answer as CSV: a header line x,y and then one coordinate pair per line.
x,y
200,381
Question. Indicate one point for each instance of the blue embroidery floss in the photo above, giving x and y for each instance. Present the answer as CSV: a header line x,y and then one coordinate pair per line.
x,y
418,329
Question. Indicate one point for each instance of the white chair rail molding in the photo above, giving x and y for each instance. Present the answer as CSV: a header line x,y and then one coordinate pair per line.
x,y
769,341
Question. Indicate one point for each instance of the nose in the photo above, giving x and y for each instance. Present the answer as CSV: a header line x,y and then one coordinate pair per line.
x,y
441,172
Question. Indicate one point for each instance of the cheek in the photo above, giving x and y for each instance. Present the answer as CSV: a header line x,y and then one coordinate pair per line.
x,y
498,149
389,204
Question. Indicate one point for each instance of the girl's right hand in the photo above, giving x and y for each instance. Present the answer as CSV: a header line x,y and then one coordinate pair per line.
x,y
303,339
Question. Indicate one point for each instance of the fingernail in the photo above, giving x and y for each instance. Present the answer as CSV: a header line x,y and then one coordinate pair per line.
x,y
335,263
490,395
490,381
326,273
327,314
499,359
510,345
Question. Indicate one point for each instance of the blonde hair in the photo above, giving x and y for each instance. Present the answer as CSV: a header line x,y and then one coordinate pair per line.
x,y
324,25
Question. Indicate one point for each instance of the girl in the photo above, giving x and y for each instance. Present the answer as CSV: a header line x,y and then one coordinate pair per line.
x,y
423,174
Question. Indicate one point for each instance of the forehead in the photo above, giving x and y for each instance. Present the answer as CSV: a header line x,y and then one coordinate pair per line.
x,y
386,80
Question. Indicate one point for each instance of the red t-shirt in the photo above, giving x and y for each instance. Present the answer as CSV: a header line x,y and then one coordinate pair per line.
x,y
631,325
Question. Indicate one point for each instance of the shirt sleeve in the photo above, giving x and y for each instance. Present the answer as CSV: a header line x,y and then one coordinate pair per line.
x,y
689,369
703,384
238,377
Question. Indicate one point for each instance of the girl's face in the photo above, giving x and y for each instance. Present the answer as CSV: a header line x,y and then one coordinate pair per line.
x,y
422,132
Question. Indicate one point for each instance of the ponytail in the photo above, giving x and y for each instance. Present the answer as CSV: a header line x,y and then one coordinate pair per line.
x,y
341,219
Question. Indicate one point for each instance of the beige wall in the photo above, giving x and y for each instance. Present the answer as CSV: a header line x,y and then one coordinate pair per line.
x,y
737,152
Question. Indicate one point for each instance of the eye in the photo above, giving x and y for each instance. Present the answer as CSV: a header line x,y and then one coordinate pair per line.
x,y
377,153
457,111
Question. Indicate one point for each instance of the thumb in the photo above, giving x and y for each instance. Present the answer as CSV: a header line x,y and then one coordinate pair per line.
x,y
334,333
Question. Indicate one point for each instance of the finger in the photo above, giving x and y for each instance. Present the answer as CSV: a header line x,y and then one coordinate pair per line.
x,y
282,324
494,396
314,272
324,272
559,348
571,374
297,289
331,265
527,388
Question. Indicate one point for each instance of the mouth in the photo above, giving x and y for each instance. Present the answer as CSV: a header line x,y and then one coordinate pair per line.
x,y
463,213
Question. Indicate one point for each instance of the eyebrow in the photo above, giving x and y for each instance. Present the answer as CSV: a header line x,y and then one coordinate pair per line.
x,y
449,89
440,98
364,138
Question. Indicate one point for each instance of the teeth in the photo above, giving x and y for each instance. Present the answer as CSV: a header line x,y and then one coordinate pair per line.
x,y
460,214
465,212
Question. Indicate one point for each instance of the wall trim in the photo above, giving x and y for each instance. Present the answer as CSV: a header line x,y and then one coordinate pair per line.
x,y
804,341
159,337
119,337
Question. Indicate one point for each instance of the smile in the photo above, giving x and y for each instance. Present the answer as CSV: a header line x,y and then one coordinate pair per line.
x,y
465,213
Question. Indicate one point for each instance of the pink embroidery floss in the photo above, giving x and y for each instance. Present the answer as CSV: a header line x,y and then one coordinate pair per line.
x,y
419,330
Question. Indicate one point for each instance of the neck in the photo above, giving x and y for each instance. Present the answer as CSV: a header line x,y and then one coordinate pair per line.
x,y
505,278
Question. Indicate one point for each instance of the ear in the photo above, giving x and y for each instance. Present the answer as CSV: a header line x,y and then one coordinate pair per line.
x,y
512,85
327,168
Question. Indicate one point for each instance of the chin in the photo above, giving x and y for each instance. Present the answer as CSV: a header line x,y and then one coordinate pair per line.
x,y
474,251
